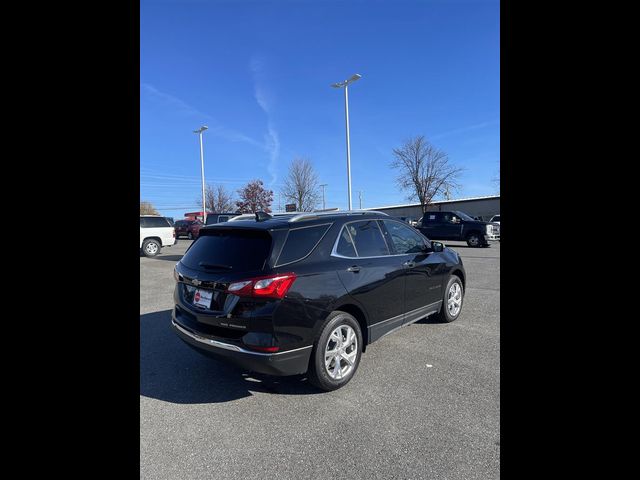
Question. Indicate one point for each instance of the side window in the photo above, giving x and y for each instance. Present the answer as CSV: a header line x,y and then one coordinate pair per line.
x,y
345,244
430,217
300,242
446,217
367,238
143,223
404,239
155,222
222,218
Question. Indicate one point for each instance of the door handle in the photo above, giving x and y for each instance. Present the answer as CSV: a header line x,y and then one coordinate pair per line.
x,y
354,269
409,264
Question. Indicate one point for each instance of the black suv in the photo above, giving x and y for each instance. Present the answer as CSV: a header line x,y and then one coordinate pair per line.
x,y
309,292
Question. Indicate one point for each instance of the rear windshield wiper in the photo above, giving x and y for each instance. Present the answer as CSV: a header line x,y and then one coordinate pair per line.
x,y
215,265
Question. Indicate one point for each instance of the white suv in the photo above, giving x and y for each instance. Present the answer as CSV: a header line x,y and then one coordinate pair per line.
x,y
155,232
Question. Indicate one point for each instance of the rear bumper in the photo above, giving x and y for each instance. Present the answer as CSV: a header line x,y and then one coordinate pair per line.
x,y
290,362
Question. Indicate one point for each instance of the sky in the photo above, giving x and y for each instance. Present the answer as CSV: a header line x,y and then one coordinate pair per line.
x,y
258,74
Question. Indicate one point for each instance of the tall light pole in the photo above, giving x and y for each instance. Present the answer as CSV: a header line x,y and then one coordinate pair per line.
x,y
345,84
323,204
204,209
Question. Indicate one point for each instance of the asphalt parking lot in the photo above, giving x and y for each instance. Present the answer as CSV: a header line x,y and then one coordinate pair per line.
x,y
424,403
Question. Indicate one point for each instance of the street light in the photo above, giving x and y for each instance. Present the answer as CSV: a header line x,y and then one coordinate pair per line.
x,y
323,205
345,84
204,210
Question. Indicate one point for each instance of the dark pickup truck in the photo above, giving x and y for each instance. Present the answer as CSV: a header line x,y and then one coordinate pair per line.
x,y
458,226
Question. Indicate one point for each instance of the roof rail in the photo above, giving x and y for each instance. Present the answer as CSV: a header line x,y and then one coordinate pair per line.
x,y
298,216
243,216
312,215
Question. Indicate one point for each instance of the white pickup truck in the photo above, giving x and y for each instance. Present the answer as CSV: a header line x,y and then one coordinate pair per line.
x,y
155,232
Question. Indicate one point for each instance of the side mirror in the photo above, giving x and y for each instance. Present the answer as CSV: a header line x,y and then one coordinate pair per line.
x,y
437,246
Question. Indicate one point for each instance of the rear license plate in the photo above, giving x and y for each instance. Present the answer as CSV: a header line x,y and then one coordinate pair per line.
x,y
202,298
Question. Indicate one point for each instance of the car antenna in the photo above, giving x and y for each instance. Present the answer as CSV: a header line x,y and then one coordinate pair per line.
x,y
262,216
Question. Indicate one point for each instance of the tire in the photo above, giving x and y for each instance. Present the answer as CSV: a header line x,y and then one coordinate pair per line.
x,y
190,236
320,373
151,247
474,240
447,314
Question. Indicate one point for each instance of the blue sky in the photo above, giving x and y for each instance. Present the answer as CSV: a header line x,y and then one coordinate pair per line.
x,y
259,74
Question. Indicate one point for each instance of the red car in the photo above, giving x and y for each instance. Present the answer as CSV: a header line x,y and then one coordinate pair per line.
x,y
188,228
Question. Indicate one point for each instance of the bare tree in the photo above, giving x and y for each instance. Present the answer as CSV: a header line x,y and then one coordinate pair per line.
x,y
146,208
301,185
217,199
424,170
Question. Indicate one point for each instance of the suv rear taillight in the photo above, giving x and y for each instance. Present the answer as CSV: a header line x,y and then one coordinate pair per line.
x,y
272,286
174,233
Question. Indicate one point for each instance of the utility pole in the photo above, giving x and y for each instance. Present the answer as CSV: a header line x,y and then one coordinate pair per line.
x,y
360,198
324,207
204,209
345,84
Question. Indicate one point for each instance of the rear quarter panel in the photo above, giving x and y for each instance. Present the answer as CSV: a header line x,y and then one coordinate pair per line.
x,y
312,297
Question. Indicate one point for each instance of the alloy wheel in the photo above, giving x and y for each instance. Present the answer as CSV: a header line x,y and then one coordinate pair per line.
x,y
454,299
341,352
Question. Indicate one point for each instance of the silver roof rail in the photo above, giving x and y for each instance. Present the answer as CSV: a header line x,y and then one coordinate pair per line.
x,y
312,215
297,216
244,216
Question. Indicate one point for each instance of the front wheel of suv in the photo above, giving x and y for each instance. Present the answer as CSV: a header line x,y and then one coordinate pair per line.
x,y
336,354
452,300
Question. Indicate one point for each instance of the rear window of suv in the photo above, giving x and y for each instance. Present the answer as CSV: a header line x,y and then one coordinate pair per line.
x,y
300,242
233,250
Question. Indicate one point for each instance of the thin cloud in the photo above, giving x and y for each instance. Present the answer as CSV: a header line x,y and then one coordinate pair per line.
x,y
272,143
465,129
174,101
215,129
265,101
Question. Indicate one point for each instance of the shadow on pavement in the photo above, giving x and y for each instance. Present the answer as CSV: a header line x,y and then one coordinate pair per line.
x,y
430,320
173,372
